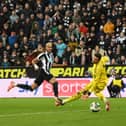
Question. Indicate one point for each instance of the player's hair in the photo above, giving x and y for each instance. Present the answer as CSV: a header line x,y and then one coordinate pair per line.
x,y
49,44
98,55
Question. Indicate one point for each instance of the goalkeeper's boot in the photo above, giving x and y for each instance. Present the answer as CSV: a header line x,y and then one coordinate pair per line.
x,y
12,85
107,106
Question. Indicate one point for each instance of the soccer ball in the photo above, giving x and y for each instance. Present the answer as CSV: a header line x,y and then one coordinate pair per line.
x,y
95,107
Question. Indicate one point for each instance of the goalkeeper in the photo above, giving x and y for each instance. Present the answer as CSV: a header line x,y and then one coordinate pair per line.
x,y
97,84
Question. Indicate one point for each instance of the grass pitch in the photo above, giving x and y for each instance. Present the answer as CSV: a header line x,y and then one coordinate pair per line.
x,y
42,112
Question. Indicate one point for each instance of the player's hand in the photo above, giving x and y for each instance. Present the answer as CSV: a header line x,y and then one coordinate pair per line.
x,y
36,67
84,97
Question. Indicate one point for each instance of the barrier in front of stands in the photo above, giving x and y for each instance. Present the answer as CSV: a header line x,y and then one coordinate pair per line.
x,y
71,80
62,72
67,87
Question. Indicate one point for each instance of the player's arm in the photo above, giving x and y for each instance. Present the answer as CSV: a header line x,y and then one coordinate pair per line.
x,y
105,59
36,60
34,63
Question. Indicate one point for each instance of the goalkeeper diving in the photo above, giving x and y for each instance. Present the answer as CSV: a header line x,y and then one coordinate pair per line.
x,y
97,85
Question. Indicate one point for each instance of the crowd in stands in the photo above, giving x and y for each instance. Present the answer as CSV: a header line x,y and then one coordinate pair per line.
x,y
78,29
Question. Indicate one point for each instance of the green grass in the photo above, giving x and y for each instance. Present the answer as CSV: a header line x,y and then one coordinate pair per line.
x,y
42,112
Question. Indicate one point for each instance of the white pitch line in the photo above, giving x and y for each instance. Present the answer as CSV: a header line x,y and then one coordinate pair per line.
x,y
35,113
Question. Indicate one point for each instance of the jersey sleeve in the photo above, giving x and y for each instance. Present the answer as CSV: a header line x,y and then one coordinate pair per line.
x,y
40,56
105,59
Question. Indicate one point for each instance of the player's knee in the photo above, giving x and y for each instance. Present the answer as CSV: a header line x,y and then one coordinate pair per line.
x,y
53,81
34,86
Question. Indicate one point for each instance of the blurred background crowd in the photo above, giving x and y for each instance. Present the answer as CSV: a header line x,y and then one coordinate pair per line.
x,y
78,29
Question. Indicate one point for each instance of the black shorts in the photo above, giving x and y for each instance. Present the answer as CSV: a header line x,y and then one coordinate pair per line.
x,y
116,89
42,75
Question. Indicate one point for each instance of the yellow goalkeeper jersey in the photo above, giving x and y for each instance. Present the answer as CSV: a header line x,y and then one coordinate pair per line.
x,y
99,70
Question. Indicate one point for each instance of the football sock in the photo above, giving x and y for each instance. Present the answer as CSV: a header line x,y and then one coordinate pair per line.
x,y
72,98
101,97
27,87
55,89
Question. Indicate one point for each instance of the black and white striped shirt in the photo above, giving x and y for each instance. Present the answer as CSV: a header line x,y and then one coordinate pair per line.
x,y
46,60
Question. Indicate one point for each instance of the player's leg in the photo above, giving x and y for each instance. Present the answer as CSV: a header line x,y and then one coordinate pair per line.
x,y
23,86
70,99
98,92
87,90
116,90
52,80
54,83
83,92
31,87
110,90
104,99
73,97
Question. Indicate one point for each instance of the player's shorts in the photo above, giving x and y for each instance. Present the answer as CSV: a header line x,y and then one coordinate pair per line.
x,y
99,87
42,75
93,87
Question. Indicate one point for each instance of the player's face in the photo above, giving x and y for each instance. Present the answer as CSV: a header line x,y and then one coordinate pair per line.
x,y
49,48
95,60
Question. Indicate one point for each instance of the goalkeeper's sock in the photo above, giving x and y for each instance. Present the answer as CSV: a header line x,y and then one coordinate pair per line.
x,y
104,99
72,98
101,97
27,87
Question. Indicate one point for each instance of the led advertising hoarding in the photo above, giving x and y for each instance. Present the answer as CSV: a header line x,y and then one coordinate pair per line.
x,y
67,87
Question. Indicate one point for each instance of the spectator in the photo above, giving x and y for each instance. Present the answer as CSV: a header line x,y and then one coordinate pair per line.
x,y
24,44
36,29
13,17
60,47
72,42
122,60
47,22
5,63
40,19
33,43
39,6
97,49
62,33
102,43
67,54
12,39
16,26
83,28
67,19
83,58
53,2
4,39
27,27
76,17
7,28
73,59
80,48
115,86
122,38
27,11
109,27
